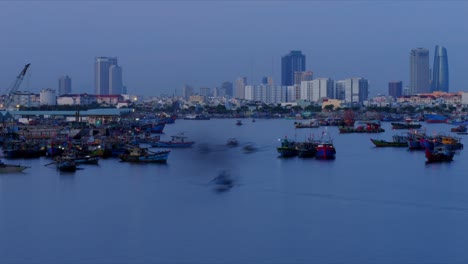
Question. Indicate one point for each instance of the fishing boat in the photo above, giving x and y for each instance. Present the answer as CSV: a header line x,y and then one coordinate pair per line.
x,y
325,148
65,164
439,153
306,149
368,127
232,142
397,141
196,117
143,155
10,168
239,123
459,129
406,125
287,148
314,123
435,118
177,141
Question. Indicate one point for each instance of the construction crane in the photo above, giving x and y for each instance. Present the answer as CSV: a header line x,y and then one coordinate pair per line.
x,y
13,88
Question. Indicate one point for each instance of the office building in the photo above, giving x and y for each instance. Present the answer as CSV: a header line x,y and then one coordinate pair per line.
x,y
293,62
300,77
64,85
395,89
227,89
239,92
101,74
352,90
115,80
317,89
440,70
419,71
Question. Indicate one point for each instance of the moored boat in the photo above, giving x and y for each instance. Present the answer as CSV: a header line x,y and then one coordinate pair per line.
x,y
143,155
406,125
65,164
325,148
397,141
10,168
177,141
287,148
440,153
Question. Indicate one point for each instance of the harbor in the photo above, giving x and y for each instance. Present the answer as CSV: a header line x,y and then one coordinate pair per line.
x,y
376,194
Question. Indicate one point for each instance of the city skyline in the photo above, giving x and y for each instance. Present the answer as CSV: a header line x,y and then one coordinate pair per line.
x,y
149,37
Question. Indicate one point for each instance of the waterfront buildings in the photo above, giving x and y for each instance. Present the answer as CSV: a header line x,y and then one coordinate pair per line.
x,y
293,62
64,85
395,89
187,91
102,68
419,71
440,74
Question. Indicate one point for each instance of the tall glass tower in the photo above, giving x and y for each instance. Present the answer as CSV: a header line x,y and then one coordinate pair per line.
x,y
293,62
101,74
419,71
440,74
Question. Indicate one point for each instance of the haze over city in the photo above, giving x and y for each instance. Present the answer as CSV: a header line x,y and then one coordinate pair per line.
x,y
163,45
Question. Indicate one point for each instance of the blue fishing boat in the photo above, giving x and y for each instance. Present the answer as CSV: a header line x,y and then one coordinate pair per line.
x,y
158,128
143,155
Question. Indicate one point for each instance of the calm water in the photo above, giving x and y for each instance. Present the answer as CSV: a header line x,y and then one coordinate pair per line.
x,y
367,206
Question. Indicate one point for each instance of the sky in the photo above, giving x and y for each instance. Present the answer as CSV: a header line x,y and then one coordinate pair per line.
x,y
162,45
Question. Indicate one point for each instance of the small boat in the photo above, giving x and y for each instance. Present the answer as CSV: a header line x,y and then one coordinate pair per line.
x,y
314,123
406,125
9,168
196,117
239,123
65,164
143,155
223,181
287,148
253,120
177,141
439,153
459,129
397,141
232,142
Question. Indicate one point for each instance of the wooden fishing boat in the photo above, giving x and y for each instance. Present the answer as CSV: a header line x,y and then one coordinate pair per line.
x,y
287,148
11,168
143,155
65,164
440,153
397,141
177,141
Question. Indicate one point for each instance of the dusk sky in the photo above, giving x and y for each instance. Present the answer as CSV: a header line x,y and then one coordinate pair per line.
x,y
162,45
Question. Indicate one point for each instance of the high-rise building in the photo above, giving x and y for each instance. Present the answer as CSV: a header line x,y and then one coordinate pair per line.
x,y
352,90
419,71
101,74
115,80
314,90
300,77
293,62
239,92
64,85
440,70
187,91
395,89
227,88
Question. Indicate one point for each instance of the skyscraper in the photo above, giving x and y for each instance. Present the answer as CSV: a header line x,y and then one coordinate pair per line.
x,y
240,88
419,71
64,85
227,88
115,80
293,62
395,89
440,74
101,74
